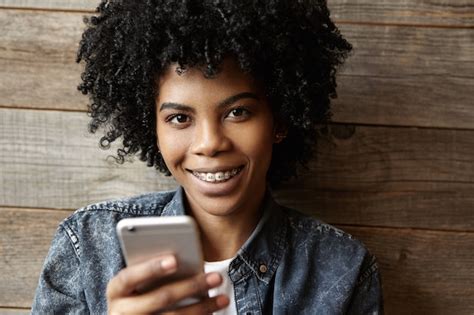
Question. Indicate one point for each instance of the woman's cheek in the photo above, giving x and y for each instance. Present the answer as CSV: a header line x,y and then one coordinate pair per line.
x,y
173,147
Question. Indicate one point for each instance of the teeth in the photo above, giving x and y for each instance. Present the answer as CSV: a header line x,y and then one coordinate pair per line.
x,y
210,177
216,177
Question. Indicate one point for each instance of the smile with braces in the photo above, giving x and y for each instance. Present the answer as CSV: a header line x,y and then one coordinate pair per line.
x,y
218,176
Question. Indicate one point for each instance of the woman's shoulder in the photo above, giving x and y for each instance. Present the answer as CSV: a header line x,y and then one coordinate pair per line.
x,y
109,212
309,226
83,225
325,241
142,204
336,252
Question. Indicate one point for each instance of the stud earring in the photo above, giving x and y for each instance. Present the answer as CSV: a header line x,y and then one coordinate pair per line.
x,y
279,137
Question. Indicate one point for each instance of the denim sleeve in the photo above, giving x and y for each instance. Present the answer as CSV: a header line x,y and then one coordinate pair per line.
x,y
367,297
59,290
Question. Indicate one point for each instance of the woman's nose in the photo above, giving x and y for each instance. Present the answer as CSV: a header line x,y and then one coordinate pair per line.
x,y
210,139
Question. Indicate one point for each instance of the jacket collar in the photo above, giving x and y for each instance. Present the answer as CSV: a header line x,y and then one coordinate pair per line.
x,y
262,252
176,205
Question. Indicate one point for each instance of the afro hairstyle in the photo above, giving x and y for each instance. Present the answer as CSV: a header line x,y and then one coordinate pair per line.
x,y
292,47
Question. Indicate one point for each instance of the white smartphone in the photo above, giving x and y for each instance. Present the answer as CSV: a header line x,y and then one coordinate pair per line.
x,y
147,237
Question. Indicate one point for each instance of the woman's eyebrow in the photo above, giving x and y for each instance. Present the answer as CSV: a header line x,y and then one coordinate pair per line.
x,y
176,106
224,103
235,98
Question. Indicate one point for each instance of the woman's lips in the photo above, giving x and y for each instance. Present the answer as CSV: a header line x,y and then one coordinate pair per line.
x,y
217,177
220,187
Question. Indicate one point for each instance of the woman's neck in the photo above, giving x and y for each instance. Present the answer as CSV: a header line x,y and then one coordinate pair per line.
x,y
223,235
221,240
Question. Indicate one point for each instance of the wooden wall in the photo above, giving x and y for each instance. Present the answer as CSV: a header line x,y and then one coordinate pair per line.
x,y
395,169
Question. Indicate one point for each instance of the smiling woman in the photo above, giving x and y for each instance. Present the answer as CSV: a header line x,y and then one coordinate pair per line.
x,y
226,126
225,97
216,138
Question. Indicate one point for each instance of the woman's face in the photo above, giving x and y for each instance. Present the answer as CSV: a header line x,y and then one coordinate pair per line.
x,y
216,137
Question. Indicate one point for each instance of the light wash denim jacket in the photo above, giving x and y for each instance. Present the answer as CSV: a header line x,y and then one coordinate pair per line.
x,y
291,263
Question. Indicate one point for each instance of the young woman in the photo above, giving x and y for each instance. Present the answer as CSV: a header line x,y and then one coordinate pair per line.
x,y
225,97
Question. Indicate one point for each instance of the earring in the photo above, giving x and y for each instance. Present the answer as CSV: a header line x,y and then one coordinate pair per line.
x,y
279,137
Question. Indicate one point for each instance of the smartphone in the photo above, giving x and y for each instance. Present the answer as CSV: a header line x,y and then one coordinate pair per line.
x,y
147,237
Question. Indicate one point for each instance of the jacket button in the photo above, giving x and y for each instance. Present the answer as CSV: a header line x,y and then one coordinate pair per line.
x,y
263,268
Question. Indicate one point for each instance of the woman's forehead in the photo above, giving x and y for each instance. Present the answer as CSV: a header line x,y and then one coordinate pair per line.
x,y
192,82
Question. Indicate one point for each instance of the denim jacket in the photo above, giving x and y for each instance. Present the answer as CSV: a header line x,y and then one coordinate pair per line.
x,y
291,263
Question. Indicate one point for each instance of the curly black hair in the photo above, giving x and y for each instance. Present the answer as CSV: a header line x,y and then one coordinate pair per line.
x,y
291,46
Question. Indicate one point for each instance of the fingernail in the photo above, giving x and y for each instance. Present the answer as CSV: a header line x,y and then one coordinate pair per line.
x,y
168,263
222,301
213,279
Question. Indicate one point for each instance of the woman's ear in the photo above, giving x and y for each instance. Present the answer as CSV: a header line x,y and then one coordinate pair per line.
x,y
158,145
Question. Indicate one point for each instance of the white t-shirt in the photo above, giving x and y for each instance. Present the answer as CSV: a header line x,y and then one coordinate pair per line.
x,y
226,287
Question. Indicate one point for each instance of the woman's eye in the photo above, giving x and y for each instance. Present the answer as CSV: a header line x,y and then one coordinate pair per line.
x,y
178,119
238,112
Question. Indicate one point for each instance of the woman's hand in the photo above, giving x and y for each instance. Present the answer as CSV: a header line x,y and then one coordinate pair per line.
x,y
122,296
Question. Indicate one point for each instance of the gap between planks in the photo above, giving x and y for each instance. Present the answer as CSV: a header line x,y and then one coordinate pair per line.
x,y
34,209
55,109
381,227
420,25
47,9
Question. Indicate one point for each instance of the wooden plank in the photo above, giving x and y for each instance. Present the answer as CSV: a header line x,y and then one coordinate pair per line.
x,y
51,161
419,12
396,76
424,272
380,176
24,241
37,60
407,76
459,13
446,206
404,177
79,5
15,311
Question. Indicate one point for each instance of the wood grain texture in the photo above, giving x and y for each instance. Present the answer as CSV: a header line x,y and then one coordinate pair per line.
x,y
429,272
15,311
53,162
427,205
60,5
37,60
458,13
380,176
407,76
396,76
24,241
423,272
404,177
